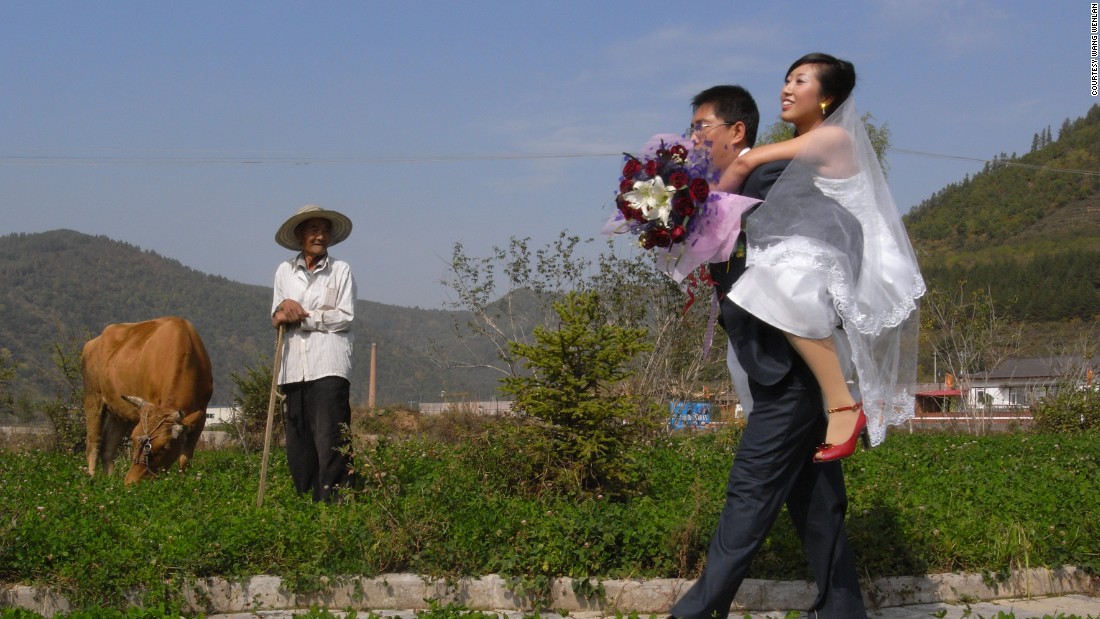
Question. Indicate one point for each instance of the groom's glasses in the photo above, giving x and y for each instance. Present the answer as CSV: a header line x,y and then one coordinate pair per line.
x,y
700,129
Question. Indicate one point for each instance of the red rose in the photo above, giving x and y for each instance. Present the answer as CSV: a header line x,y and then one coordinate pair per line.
x,y
662,237
679,150
683,205
632,167
622,204
650,168
662,153
677,234
699,189
636,213
626,185
647,240
678,180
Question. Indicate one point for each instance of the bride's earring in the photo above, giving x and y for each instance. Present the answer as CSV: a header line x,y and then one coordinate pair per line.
x,y
824,105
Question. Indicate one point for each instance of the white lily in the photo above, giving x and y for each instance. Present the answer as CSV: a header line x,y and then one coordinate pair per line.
x,y
652,198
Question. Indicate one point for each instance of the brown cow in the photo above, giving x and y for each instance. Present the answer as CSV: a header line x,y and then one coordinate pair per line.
x,y
152,379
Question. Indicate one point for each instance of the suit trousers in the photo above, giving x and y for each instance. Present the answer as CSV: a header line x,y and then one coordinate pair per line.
x,y
774,465
317,417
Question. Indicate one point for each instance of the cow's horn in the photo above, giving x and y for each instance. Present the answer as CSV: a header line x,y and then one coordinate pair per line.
x,y
133,399
179,416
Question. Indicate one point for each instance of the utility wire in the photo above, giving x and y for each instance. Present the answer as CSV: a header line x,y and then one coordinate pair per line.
x,y
307,160
89,160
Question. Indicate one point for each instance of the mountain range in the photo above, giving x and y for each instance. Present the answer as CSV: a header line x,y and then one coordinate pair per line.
x,y
61,287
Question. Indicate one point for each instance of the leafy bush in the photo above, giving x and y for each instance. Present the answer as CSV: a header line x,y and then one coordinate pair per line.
x,y
7,373
251,395
1073,409
65,411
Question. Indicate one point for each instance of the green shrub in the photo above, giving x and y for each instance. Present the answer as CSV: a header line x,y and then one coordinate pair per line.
x,y
571,389
66,410
251,397
1073,409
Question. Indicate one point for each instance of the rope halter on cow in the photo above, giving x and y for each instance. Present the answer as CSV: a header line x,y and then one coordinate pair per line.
x,y
145,441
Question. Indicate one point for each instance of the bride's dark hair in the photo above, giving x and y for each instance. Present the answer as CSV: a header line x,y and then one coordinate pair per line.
x,y
837,77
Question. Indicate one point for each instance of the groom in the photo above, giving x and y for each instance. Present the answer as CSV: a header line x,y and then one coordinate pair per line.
x,y
774,461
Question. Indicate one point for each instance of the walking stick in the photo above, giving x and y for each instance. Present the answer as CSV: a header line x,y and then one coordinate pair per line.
x,y
271,412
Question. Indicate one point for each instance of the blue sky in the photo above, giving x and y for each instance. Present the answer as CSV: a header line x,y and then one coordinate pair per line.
x,y
193,129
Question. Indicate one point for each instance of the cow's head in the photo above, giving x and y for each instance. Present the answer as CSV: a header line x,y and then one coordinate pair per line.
x,y
158,438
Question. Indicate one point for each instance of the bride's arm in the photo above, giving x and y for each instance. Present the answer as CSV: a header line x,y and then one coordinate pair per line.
x,y
815,143
735,174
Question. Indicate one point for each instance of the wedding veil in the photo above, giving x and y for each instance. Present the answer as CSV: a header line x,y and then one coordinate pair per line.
x,y
873,283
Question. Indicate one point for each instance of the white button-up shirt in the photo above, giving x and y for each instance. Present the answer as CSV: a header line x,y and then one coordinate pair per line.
x,y
321,345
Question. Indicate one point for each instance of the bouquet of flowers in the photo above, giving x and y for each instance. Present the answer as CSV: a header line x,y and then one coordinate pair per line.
x,y
664,198
660,195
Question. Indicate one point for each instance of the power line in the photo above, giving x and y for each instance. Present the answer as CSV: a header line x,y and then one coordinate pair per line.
x,y
91,160
323,160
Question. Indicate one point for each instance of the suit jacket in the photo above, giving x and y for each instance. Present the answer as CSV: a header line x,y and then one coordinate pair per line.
x,y
762,350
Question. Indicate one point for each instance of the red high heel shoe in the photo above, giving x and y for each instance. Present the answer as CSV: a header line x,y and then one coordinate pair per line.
x,y
826,452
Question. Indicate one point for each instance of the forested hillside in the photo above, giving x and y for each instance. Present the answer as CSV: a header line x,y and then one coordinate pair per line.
x,y
62,287
1027,228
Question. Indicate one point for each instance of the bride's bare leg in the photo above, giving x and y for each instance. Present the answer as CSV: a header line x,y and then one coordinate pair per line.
x,y
820,355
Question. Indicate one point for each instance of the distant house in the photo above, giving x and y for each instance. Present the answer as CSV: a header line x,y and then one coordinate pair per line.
x,y
1019,382
220,414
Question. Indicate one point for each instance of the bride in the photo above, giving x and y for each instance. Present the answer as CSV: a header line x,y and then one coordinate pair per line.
x,y
842,306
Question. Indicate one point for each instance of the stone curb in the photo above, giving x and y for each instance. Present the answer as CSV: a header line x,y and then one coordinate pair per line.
x,y
411,591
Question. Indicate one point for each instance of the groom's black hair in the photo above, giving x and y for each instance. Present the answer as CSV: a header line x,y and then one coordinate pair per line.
x,y
732,104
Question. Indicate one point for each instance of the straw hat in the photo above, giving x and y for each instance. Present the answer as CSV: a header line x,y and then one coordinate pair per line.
x,y
341,226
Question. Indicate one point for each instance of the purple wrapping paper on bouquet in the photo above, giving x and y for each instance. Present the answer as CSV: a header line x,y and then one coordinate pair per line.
x,y
712,237
666,140
711,232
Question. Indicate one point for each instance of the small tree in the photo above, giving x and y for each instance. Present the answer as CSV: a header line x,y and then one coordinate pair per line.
x,y
1075,409
250,401
1073,406
778,131
65,411
507,294
7,373
571,389
633,292
966,335
878,134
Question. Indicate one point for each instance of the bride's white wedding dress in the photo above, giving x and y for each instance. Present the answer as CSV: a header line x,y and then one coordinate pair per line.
x,y
814,288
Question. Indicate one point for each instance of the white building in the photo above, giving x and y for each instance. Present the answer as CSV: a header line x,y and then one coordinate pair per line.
x,y
1018,383
220,414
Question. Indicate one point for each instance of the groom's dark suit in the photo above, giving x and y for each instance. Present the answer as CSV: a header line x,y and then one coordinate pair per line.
x,y
774,463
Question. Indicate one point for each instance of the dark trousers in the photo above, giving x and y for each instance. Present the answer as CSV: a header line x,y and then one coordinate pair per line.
x,y
318,415
774,465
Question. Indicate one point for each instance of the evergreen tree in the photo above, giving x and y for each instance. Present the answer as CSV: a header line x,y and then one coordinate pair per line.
x,y
571,388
